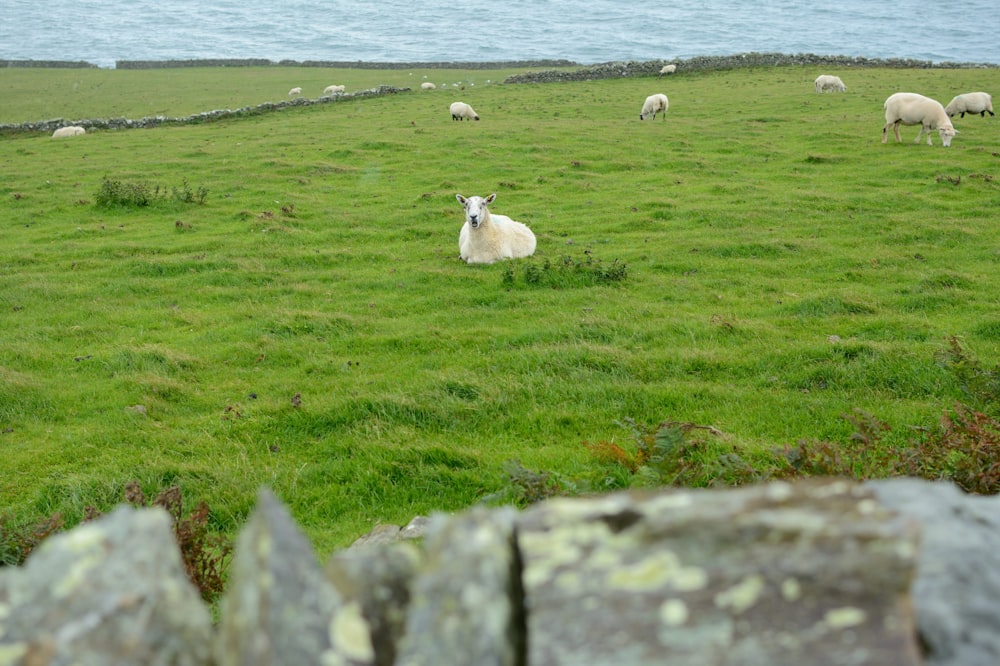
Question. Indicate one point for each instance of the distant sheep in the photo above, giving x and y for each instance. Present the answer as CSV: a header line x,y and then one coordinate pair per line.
x,y
667,69
654,104
905,108
486,238
295,91
829,83
332,90
462,111
974,102
72,130
427,85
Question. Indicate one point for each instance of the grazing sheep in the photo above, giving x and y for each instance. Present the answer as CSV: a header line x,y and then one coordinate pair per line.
x,y
653,104
487,237
72,130
462,111
667,69
829,83
974,102
331,90
295,91
427,85
905,108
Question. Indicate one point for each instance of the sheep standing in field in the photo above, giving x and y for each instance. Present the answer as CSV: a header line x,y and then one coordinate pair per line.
x,y
486,237
427,85
332,90
974,102
652,105
905,108
72,130
829,83
462,111
667,69
295,92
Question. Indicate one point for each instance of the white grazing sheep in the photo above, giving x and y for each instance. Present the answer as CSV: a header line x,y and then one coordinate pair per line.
x,y
295,91
828,82
974,102
72,130
487,237
905,108
461,111
427,85
331,90
653,104
667,69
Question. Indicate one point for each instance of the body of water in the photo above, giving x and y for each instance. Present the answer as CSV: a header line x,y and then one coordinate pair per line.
x,y
103,31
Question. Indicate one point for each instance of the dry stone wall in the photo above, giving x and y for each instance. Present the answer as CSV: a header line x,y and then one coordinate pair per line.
x,y
49,126
898,572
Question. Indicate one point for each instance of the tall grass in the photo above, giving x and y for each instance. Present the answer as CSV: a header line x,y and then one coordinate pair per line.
x,y
309,326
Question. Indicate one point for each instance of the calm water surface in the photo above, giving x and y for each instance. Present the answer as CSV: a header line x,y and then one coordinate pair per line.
x,y
103,31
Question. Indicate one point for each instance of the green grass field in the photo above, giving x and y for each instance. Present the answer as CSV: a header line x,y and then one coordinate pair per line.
x,y
310,327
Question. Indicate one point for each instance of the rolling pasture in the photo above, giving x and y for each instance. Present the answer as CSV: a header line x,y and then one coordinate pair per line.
x,y
290,310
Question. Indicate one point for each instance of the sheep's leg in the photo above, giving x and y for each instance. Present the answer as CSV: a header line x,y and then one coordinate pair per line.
x,y
920,133
895,129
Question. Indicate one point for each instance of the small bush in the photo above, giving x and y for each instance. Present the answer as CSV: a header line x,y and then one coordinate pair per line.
x,y
123,194
115,193
185,194
567,272
205,556
18,540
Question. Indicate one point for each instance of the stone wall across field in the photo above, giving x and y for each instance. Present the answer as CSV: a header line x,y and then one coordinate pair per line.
x,y
712,63
821,572
339,64
49,64
89,124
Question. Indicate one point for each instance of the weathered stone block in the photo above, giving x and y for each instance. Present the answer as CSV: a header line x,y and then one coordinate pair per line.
x,y
779,574
111,591
279,609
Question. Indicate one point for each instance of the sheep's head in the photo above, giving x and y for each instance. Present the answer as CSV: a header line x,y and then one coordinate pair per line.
x,y
475,208
947,132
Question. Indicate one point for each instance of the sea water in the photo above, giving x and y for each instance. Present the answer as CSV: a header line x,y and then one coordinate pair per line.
x,y
595,31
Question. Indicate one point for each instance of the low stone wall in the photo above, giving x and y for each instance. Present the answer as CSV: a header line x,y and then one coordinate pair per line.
x,y
340,64
817,572
49,64
49,126
742,60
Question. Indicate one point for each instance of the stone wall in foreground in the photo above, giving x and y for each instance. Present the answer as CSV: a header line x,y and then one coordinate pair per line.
x,y
898,572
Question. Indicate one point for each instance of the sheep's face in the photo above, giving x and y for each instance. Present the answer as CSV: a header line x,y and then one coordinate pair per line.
x,y
475,209
946,135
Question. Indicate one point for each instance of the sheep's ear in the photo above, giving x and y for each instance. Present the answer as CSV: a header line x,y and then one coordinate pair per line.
x,y
460,198
490,198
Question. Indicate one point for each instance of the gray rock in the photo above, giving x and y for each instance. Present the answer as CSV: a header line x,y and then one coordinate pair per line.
x,y
279,609
379,578
956,593
111,591
772,575
466,603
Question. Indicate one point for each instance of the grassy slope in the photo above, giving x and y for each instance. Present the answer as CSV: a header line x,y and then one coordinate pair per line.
x,y
324,264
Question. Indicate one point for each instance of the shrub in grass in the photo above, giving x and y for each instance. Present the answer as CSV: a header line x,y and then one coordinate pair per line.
x,y
567,272
116,193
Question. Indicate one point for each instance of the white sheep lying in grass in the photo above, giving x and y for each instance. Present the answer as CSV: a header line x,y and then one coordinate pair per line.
x,y
974,102
295,91
332,90
905,108
427,85
486,238
667,69
653,104
828,82
72,130
461,111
